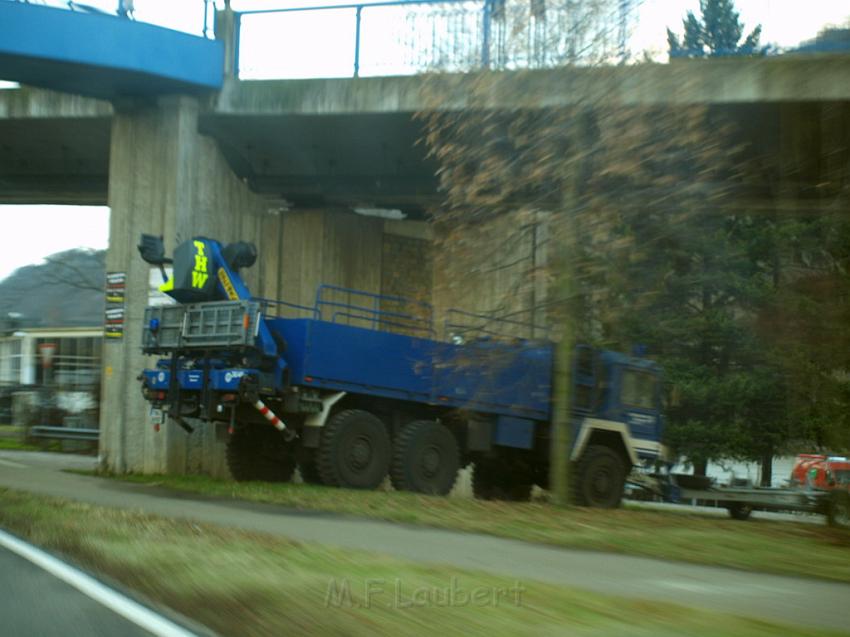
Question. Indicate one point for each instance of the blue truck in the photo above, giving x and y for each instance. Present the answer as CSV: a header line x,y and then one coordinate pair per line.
x,y
358,386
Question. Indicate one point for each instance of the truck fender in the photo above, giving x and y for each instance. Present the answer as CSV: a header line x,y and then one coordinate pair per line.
x,y
328,401
589,425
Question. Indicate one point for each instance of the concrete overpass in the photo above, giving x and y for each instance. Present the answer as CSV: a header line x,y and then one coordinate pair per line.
x,y
342,142
283,163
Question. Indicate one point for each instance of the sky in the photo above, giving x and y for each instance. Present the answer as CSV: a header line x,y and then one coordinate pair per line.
x,y
288,46
31,233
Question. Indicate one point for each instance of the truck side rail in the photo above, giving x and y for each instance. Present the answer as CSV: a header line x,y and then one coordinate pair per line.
x,y
274,309
463,324
413,327
369,308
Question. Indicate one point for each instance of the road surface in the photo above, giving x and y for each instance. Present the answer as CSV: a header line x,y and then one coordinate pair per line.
x,y
779,599
34,602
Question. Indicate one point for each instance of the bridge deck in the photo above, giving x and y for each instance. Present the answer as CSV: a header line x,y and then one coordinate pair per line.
x,y
101,55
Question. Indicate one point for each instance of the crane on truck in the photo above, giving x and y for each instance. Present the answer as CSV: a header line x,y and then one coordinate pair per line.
x,y
358,386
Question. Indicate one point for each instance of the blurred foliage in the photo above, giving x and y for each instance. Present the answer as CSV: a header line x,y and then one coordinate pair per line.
x,y
632,224
746,310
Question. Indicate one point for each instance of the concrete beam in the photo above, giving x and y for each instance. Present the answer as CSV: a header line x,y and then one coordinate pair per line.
x,y
73,190
786,78
35,103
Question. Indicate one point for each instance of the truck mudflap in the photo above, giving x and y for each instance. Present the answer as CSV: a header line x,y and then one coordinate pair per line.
x,y
192,379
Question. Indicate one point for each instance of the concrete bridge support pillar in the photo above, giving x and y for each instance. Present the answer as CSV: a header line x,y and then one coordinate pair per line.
x,y
165,179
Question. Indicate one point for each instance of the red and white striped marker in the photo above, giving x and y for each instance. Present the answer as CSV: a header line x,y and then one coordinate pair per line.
x,y
270,416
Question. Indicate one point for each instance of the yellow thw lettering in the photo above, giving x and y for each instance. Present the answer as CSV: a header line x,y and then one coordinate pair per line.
x,y
199,279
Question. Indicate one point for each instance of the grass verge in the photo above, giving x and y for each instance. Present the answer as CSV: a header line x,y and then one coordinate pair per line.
x,y
240,583
757,545
17,445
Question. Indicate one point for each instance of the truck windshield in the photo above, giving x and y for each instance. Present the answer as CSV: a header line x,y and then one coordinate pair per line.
x,y
638,389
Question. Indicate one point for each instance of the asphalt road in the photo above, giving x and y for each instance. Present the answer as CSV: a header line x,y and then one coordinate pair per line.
x,y
34,602
786,600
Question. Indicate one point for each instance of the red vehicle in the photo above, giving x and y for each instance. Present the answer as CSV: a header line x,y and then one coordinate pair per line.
x,y
816,471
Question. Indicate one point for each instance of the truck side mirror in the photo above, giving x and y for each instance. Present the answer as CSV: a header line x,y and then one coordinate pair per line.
x,y
152,250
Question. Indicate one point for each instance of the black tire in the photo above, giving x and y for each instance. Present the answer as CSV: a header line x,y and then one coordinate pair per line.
x,y
501,478
259,452
600,478
739,510
308,465
425,458
355,450
838,514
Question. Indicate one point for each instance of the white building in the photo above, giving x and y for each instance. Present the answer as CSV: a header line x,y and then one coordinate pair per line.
x,y
74,364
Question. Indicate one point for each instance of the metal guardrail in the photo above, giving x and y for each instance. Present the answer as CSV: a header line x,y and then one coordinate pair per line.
x,y
64,433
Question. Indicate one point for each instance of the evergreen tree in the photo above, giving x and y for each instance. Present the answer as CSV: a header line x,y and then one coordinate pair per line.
x,y
690,284
716,33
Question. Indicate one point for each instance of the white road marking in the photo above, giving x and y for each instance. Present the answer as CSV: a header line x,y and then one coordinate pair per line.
x,y
9,463
115,601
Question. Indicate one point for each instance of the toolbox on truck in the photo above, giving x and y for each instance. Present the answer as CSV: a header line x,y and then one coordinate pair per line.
x,y
200,326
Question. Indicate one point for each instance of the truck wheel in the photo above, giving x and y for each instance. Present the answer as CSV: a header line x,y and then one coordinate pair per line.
x,y
308,465
355,450
839,509
739,511
600,478
500,479
425,459
259,452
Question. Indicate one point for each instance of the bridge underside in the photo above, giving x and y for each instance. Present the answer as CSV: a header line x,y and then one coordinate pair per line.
x,y
371,159
339,160
54,160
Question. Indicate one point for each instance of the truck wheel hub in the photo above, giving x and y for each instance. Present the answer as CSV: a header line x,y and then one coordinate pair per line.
x,y
601,482
361,453
430,461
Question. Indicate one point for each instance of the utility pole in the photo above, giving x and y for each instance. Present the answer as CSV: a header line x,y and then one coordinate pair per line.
x,y
563,295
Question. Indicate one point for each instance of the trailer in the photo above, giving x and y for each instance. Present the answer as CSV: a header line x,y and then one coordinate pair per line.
x,y
741,501
359,386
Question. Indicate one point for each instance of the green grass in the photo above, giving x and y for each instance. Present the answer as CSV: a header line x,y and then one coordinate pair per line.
x,y
17,445
240,583
756,545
